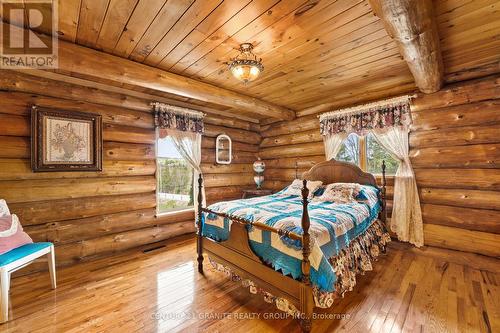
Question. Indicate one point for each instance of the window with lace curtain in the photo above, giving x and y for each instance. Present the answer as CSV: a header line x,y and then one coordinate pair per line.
x,y
174,177
366,153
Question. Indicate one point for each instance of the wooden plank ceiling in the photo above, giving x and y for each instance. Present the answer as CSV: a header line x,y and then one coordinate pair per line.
x,y
470,34
314,52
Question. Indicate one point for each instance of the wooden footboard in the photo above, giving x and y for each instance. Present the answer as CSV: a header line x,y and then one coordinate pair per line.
x,y
236,253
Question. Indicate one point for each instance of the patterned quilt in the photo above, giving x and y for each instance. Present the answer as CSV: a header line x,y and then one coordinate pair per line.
x,y
333,227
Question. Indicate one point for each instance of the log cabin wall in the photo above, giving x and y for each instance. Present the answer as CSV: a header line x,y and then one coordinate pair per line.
x,y
88,214
455,151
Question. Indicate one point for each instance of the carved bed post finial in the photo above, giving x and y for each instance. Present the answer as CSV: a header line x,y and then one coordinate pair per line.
x,y
306,298
384,211
199,225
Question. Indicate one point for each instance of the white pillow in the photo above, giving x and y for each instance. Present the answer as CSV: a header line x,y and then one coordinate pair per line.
x,y
4,209
296,187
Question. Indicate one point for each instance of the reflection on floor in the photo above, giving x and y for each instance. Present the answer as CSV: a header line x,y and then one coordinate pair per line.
x,y
161,291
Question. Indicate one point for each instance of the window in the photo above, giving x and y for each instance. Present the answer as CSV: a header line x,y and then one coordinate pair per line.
x,y
367,153
174,190
375,154
349,152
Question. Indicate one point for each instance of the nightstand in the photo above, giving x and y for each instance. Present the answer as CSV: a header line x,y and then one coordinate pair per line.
x,y
255,193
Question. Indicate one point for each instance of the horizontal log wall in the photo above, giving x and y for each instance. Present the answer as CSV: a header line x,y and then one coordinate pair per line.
x,y
88,214
455,150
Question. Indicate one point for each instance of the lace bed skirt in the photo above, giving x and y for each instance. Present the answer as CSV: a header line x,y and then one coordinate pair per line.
x,y
356,259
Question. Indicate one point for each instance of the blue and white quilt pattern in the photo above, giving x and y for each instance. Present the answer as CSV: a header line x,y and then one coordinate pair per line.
x,y
332,228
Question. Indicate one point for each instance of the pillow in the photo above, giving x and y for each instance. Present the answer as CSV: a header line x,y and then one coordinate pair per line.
x,y
362,196
340,193
11,234
296,188
368,193
319,191
337,194
356,188
4,209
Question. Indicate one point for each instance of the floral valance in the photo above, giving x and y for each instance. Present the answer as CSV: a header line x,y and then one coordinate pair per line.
x,y
364,118
181,119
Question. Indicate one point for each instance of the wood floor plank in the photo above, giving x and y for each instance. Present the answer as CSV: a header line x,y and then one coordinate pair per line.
x,y
161,291
489,289
394,299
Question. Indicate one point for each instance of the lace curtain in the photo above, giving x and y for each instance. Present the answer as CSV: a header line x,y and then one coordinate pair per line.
x,y
185,127
333,143
389,122
406,219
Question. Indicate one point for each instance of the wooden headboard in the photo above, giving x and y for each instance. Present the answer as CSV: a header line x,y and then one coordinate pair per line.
x,y
339,172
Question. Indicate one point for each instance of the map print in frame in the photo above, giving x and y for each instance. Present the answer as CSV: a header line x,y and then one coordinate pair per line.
x,y
65,140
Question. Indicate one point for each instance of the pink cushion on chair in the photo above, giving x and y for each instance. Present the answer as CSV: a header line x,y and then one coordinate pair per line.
x,y
12,234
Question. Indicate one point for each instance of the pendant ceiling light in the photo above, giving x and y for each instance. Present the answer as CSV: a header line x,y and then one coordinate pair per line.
x,y
245,66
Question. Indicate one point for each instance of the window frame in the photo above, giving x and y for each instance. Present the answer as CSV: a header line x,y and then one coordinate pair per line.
x,y
157,178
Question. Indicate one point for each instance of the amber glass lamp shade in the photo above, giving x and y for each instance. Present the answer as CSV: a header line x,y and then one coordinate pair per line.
x,y
245,72
246,67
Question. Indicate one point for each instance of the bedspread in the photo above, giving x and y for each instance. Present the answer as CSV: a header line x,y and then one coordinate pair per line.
x,y
335,229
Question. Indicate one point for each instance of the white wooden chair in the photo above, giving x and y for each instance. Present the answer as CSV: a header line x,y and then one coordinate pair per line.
x,y
18,258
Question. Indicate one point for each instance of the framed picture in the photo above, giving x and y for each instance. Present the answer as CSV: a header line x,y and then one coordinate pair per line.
x,y
65,140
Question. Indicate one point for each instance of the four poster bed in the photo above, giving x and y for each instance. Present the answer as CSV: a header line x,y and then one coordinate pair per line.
x,y
259,241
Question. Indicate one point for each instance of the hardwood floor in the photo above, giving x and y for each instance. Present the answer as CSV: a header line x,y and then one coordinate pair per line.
x,y
160,291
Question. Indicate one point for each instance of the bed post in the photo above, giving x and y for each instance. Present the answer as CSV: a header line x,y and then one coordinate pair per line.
x,y
199,237
306,297
384,210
